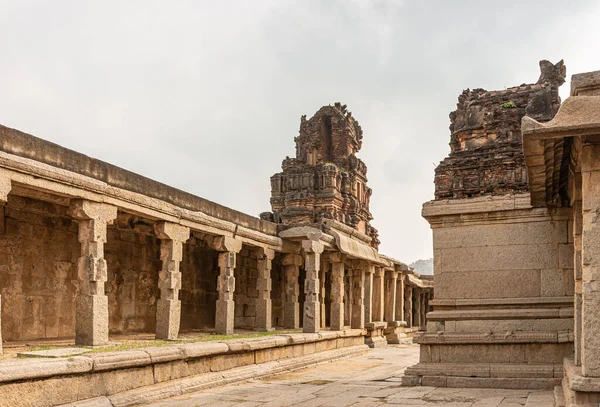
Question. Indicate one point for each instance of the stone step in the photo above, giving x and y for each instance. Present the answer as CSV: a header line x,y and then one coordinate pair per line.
x,y
547,383
486,370
559,397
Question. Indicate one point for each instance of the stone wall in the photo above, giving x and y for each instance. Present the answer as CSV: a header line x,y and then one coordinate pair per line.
x,y
199,272
133,261
37,273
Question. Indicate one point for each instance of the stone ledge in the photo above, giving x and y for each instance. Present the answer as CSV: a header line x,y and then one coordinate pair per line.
x,y
456,302
38,368
485,370
481,382
59,381
576,381
510,313
430,338
375,325
192,384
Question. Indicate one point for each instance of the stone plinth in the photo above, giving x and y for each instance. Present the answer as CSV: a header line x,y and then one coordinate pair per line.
x,y
375,334
394,332
503,287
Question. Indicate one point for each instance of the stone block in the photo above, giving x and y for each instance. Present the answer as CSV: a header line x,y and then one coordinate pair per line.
x,y
410,381
170,371
230,361
22,369
161,354
200,349
434,381
120,360
518,283
501,234
497,258
198,366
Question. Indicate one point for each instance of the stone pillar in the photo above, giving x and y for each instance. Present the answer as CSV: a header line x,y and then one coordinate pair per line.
x,y
400,296
336,319
577,273
423,308
417,307
312,310
91,304
358,295
378,293
228,248
348,297
590,282
291,312
408,302
368,294
263,286
168,308
325,267
391,277
5,187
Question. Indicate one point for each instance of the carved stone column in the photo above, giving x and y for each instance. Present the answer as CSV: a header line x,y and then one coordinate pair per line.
x,y
378,293
291,312
358,295
368,294
400,296
408,306
325,267
391,278
590,281
337,294
168,308
577,273
263,286
5,187
225,313
91,303
312,260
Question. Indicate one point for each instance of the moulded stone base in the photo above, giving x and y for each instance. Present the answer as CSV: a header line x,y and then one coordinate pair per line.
x,y
375,337
579,390
395,334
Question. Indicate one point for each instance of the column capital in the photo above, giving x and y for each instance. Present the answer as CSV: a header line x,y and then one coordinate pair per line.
x,y
292,260
335,257
312,246
172,231
5,187
82,209
264,253
225,244
379,271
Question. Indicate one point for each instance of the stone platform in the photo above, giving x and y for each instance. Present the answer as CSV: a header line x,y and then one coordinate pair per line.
x,y
370,379
131,377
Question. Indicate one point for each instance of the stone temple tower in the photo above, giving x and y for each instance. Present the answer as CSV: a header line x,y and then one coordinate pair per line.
x,y
325,180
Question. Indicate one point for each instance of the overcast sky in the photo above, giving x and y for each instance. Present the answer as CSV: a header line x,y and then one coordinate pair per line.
x,y
207,96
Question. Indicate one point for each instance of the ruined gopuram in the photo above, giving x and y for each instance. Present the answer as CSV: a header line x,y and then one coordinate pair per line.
x,y
326,180
503,307
563,161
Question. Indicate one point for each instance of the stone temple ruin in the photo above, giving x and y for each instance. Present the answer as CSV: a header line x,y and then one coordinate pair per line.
x,y
513,223
90,253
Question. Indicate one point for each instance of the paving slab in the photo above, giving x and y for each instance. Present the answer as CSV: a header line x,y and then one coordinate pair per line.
x,y
369,380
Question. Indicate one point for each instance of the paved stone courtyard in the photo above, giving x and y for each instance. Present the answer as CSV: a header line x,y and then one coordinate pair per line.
x,y
369,380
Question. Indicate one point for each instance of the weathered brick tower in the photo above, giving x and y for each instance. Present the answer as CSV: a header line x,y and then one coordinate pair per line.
x,y
326,180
